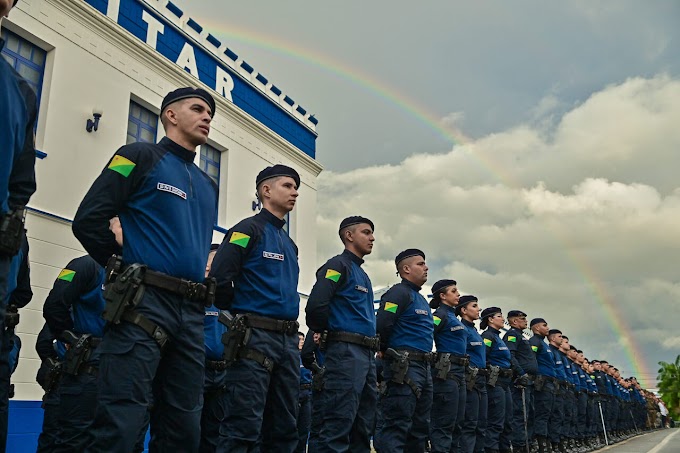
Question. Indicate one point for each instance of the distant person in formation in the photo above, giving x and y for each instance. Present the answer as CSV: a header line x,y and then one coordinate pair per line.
x,y
341,305
406,328
155,210
256,268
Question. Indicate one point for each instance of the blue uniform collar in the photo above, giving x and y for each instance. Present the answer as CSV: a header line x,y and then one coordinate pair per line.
x,y
411,285
467,323
177,150
540,336
353,257
492,330
271,218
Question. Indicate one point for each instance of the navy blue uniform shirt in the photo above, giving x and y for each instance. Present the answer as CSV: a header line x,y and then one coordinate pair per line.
x,y
256,268
522,358
18,113
342,297
76,300
475,346
559,364
497,353
544,356
450,335
213,330
404,319
166,204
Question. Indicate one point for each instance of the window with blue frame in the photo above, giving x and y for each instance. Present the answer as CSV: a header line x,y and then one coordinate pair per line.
x,y
27,59
142,124
210,162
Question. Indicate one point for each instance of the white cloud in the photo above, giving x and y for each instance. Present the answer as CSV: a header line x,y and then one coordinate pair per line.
x,y
543,220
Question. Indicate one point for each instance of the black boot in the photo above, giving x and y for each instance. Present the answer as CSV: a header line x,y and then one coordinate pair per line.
x,y
543,444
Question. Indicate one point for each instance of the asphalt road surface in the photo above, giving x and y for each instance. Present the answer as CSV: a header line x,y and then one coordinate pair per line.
x,y
661,441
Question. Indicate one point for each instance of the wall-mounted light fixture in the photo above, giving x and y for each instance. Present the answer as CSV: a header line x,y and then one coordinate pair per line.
x,y
93,124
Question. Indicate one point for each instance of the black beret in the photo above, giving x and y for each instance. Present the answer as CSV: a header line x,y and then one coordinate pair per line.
x,y
276,171
408,253
516,313
214,247
554,331
536,321
437,288
187,93
486,313
355,220
464,300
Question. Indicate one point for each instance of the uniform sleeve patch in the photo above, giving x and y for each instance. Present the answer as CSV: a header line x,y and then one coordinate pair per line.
x,y
239,239
391,307
66,275
512,339
333,275
437,320
488,342
121,165
534,348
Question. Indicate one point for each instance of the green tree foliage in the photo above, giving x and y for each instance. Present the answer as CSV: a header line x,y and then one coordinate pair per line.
x,y
669,385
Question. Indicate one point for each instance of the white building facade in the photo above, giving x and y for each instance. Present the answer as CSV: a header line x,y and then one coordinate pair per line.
x,y
121,57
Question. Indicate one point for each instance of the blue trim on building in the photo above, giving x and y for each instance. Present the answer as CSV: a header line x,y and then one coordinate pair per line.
x,y
40,154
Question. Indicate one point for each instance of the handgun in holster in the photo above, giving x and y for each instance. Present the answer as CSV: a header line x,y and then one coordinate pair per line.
x,y
236,337
53,374
122,290
398,365
11,230
11,317
494,372
471,376
442,365
323,341
318,373
539,382
79,352
210,289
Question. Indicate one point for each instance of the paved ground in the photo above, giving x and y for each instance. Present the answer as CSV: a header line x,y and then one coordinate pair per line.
x,y
661,441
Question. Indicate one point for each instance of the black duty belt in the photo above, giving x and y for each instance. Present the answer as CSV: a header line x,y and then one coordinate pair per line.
x,y
274,325
372,343
305,386
185,288
505,373
482,372
465,361
415,356
216,365
89,369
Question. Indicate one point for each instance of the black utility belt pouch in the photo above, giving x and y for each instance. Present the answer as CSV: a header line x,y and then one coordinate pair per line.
x,y
236,337
11,317
123,289
443,365
53,374
399,364
77,355
11,229
471,376
493,372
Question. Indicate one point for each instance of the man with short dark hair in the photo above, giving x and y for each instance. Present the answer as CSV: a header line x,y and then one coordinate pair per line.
x,y
544,384
341,304
256,269
153,344
406,328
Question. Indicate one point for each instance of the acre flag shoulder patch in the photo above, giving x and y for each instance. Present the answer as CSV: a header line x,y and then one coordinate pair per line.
x,y
121,165
333,275
488,342
239,239
512,339
66,275
437,320
391,307
534,348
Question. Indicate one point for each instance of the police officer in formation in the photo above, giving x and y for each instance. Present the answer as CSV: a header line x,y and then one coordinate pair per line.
x,y
406,326
153,346
544,383
256,268
341,306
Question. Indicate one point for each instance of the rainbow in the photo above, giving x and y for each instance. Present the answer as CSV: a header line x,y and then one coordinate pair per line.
x,y
431,120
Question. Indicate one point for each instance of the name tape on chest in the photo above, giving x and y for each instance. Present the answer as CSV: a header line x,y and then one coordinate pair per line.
x,y
455,328
363,289
272,256
171,189
420,311
212,313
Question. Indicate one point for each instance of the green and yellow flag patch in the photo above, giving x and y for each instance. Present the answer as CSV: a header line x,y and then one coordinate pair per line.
x,y
488,342
333,275
437,320
121,165
66,275
512,339
534,348
239,239
391,307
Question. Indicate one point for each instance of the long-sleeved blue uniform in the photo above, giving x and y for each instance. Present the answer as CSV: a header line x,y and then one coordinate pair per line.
x,y
475,346
404,319
544,356
342,297
497,353
18,113
560,373
450,335
19,292
256,268
522,357
76,300
166,206
213,330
